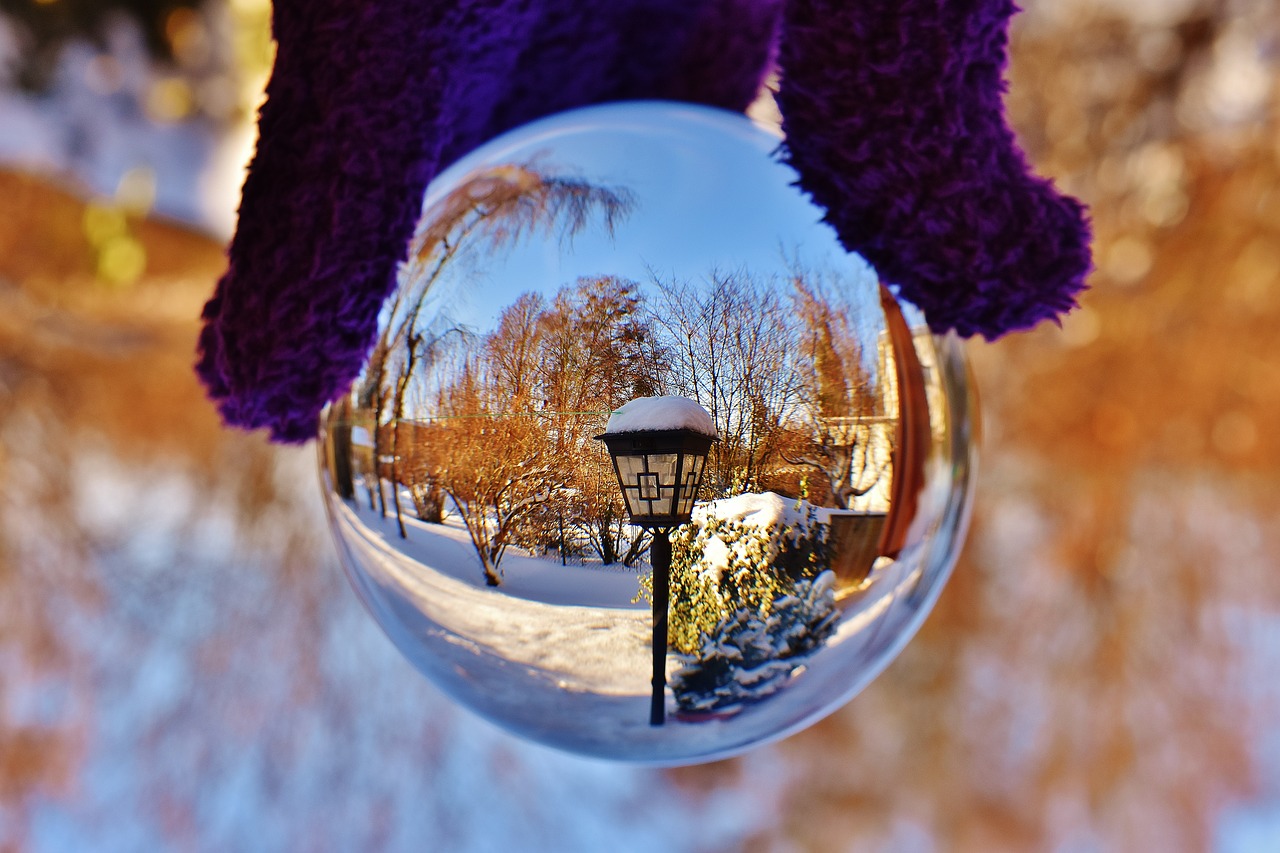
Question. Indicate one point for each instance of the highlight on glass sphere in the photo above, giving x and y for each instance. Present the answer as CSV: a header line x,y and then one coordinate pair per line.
x,y
642,464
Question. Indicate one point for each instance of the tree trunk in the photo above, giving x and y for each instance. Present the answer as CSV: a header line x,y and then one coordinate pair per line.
x,y
608,550
638,547
395,478
428,503
490,568
343,481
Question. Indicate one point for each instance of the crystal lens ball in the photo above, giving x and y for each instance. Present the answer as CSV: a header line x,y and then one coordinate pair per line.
x,y
634,593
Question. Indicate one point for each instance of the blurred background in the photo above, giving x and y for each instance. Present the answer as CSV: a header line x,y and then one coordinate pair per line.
x,y
181,662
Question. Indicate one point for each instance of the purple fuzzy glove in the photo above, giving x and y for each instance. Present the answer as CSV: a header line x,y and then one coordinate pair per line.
x,y
894,123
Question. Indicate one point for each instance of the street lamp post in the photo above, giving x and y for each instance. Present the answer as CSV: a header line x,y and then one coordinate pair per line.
x,y
659,472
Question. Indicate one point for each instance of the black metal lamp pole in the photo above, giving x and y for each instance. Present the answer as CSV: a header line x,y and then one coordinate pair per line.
x,y
660,559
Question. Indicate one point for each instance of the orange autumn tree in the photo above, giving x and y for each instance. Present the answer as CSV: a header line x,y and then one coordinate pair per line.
x,y
495,462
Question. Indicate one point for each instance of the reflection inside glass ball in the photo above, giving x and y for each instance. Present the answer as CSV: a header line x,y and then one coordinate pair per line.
x,y
649,252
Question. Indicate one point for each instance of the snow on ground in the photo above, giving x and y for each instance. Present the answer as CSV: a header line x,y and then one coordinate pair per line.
x,y
544,664
224,704
575,625
446,548
648,414
573,676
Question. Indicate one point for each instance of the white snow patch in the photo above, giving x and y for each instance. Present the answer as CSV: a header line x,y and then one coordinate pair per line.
x,y
446,550
765,510
649,414
768,512
715,559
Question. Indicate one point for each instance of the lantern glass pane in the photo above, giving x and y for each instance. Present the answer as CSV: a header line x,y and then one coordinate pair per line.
x,y
692,475
649,489
648,483
630,470
664,465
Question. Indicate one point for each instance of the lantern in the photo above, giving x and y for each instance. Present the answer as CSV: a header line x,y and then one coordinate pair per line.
x,y
659,447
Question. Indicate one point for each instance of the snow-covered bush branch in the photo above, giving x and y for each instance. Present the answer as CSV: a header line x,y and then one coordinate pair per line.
x,y
752,594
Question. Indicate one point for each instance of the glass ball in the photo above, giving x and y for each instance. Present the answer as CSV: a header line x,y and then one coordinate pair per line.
x,y
646,251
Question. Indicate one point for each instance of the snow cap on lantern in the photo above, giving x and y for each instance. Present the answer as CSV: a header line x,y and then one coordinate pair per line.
x,y
650,414
659,447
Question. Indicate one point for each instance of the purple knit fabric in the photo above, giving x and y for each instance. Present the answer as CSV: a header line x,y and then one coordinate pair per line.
x,y
893,117
367,102
894,120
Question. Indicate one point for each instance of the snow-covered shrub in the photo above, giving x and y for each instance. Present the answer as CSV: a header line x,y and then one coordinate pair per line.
x,y
751,594
743,552
749,655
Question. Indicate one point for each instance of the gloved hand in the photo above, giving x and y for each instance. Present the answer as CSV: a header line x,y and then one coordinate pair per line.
x,y
893,118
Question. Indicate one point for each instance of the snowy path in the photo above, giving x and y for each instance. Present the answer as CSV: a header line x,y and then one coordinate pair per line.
x,y
554,619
